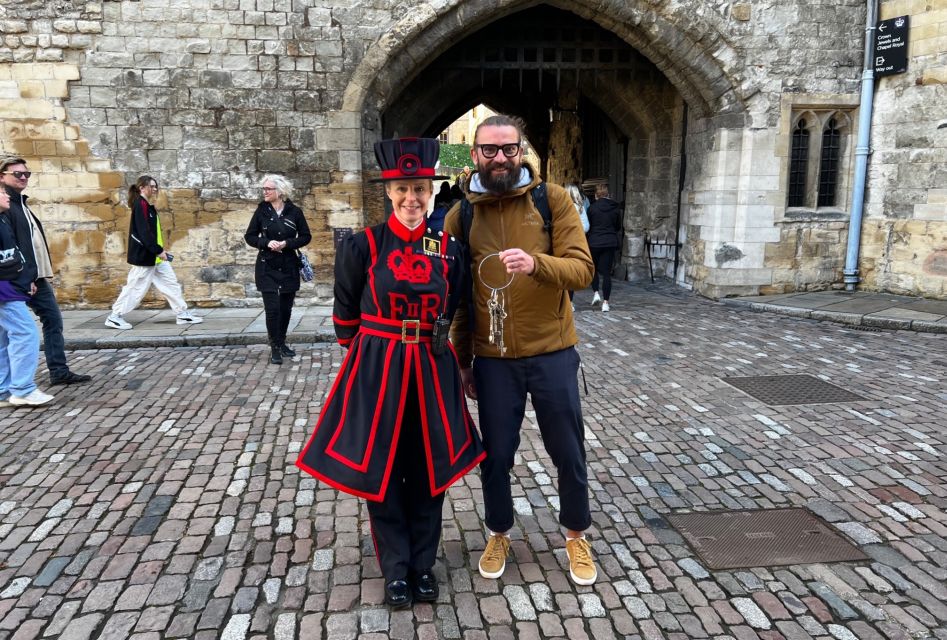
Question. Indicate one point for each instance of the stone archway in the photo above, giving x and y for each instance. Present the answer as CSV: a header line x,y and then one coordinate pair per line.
x,y
575,71
688,47
690,67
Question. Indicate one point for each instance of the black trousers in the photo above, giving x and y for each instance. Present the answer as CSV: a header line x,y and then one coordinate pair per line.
x,y
603,258
278,307
406,525
551,381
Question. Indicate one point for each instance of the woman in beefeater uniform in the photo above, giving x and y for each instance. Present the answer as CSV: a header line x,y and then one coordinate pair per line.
x,y
395,427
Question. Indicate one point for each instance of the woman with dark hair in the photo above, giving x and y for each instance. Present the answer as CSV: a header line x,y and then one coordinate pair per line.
x,y
150,260
605,220
278,229
395,429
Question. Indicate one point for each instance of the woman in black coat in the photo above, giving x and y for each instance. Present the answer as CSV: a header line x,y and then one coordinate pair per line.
x,y
604,236
278,229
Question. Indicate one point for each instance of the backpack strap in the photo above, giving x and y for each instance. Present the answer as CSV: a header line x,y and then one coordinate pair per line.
x,y
541,202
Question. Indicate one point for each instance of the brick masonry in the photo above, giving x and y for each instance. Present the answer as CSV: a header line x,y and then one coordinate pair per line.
x,y
208,95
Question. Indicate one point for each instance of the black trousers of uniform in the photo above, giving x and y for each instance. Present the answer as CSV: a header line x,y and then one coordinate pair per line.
x,y
277,307
551,381
406,525
603,258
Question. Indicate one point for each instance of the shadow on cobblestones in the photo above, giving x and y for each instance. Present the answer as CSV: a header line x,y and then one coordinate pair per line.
x,y
162,500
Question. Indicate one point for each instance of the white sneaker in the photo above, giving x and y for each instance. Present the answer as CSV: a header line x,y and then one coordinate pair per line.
x,y
33,399
116,322
187,318
605,306
596,298
5,402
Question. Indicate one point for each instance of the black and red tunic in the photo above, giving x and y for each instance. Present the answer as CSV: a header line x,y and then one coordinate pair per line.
x,y
391,284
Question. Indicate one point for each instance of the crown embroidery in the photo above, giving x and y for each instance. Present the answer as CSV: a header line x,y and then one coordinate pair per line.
x,y
416,269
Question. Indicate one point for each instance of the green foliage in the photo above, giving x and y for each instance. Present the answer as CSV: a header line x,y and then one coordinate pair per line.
x,y
455,155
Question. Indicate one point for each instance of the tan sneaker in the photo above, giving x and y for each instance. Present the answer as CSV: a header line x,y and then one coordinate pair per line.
x,y
493,561
581,565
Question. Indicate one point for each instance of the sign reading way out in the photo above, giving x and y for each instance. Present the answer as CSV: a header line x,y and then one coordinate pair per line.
x,y
891,46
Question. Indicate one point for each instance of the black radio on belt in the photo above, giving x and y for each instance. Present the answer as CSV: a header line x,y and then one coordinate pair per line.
x,y
439,335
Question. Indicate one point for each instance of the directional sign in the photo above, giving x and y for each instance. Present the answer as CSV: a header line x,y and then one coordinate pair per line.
x,y
891,46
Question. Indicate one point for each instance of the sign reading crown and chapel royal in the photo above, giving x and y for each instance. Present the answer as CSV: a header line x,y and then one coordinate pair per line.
x,y
891,46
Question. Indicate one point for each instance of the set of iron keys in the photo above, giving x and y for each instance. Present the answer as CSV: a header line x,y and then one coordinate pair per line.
x,y
496,306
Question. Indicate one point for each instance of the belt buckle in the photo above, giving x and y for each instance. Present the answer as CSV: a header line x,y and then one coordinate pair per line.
x,y
415,326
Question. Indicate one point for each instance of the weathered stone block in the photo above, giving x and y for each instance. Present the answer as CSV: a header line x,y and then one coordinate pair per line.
x,y
276,161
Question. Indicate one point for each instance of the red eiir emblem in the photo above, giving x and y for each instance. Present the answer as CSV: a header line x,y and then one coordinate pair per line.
x,y
406,265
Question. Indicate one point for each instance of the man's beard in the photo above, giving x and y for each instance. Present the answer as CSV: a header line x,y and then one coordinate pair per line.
x,y
499,183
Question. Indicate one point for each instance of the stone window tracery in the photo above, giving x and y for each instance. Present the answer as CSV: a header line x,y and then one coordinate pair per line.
x,y
820,152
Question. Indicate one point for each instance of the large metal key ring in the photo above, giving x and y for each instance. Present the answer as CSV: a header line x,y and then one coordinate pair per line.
x,y
480,274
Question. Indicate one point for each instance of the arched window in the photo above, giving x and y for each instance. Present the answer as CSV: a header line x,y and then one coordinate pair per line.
x,y
798,164
443,137
829,163
820,158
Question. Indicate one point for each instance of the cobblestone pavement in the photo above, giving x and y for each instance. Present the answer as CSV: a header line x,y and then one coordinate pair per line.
x,y
162,501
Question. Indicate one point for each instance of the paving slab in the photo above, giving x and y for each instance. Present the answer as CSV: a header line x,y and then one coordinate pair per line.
x,y
860,308
901,313
164,493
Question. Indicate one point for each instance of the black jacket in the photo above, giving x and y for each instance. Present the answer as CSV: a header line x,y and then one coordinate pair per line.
x,y
12,236
21,227
277,271
143,247
604,224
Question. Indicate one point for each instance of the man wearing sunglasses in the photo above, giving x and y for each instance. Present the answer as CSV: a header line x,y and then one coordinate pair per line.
x,y
15,177
525,266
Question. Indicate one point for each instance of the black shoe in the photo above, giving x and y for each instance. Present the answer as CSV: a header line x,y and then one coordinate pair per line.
x,y
69,378
424,587
398,594
275,356
286,351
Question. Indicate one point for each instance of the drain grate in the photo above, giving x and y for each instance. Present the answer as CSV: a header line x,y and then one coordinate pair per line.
x,y
763,538
792,389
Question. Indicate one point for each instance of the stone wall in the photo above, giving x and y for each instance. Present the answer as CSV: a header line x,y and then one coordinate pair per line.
x,y
904,241
208,95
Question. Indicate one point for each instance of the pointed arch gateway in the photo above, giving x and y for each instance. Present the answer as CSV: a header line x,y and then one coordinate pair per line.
x,y
681,56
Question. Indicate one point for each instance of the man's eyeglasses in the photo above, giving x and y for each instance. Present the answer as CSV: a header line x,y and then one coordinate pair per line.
x,y
490,150
19,175
269,188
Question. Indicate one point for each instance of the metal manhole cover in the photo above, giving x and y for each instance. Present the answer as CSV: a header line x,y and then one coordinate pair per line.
x,y
793,389
763,538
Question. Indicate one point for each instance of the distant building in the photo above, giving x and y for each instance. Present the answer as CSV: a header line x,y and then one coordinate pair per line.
x,y
462,130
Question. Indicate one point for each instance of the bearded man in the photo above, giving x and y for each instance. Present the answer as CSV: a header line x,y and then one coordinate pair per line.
x,y
521,339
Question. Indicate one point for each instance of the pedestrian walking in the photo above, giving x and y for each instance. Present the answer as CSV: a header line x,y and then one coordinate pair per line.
x,y
395,429
581,206
277,230
19,337
150,260
15,177
527,250
605,224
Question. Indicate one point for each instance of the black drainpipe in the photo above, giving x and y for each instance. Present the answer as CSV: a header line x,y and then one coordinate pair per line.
x,y
680,192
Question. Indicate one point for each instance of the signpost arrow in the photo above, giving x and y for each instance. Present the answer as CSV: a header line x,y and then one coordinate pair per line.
x,y
891,46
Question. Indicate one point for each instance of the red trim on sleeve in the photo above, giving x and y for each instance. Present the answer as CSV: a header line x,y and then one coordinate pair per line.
x,y
373,250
